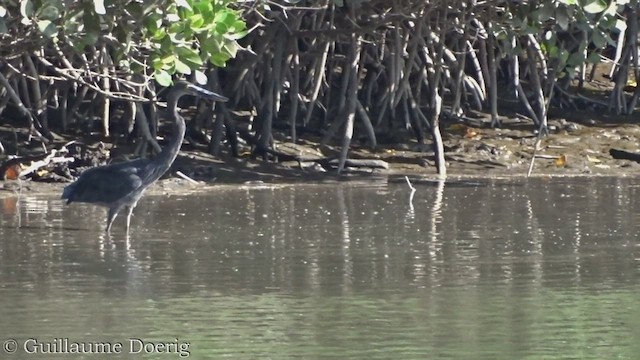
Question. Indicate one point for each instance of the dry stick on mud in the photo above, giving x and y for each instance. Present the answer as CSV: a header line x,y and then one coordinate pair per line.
x,y
190,180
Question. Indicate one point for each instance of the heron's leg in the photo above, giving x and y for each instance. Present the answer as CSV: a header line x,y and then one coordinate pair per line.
x,y
129,212
113,212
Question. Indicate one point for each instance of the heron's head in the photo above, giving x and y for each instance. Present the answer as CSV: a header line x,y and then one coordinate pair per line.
x,y
182,87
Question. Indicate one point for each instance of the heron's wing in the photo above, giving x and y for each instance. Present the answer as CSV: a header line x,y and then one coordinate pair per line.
x,y
107,184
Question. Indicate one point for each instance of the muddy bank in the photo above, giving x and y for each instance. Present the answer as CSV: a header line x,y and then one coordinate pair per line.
x,y
573,148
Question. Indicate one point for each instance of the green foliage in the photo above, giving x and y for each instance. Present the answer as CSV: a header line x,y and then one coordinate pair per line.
x,y
160,38
564,28
188,33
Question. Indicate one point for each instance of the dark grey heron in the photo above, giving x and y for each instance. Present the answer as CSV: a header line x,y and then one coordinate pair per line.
x,y
121,185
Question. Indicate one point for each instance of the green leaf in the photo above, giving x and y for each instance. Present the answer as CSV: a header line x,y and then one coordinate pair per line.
x,y
3,27
571,72
575,59
222,28
219,59
564,56
598,39
47,28
593,58
157,63
236,36
204,7
595,6
621,25
211,45
91,22
166,45
197,21
135,9
562,19
168,59
238,25
48,13
158,34
184,4
26,8
162,77
182,67
546,12
201,78
231,47
89,39
99,7
189,55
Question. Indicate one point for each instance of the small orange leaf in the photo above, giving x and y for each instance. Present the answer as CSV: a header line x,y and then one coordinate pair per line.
x,y
12,172
471,133
561,161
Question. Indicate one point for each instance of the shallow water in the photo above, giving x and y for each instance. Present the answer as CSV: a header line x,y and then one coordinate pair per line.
x,y
487,269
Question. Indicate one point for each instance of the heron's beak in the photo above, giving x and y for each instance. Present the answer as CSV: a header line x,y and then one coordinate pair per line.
x,y
198,91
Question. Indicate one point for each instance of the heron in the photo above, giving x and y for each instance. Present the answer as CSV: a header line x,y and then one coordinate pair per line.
x,y
121,185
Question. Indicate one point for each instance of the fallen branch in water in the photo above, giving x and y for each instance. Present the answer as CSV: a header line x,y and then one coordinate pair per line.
x,y
413,191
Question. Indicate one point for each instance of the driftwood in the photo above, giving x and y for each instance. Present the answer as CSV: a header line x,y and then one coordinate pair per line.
x,y
361,163
19,167
624,155
326,162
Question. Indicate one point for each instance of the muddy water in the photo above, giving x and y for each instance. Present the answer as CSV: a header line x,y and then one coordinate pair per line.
x,y
488,269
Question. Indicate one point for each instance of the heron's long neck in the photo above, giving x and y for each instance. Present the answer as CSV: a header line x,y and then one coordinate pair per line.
x,y
162,162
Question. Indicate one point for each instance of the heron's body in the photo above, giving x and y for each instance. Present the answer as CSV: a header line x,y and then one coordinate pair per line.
x,y
121,185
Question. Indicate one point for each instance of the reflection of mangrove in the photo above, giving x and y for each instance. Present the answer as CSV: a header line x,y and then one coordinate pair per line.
x,y
347,238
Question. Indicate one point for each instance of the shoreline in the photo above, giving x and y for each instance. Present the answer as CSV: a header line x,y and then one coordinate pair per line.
x,y
173,185
574,149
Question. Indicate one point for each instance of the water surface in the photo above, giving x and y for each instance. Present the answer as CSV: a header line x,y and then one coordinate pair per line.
x,y
488,269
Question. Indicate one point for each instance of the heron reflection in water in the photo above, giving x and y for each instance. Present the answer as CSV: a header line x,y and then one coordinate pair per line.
x,y
121,185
